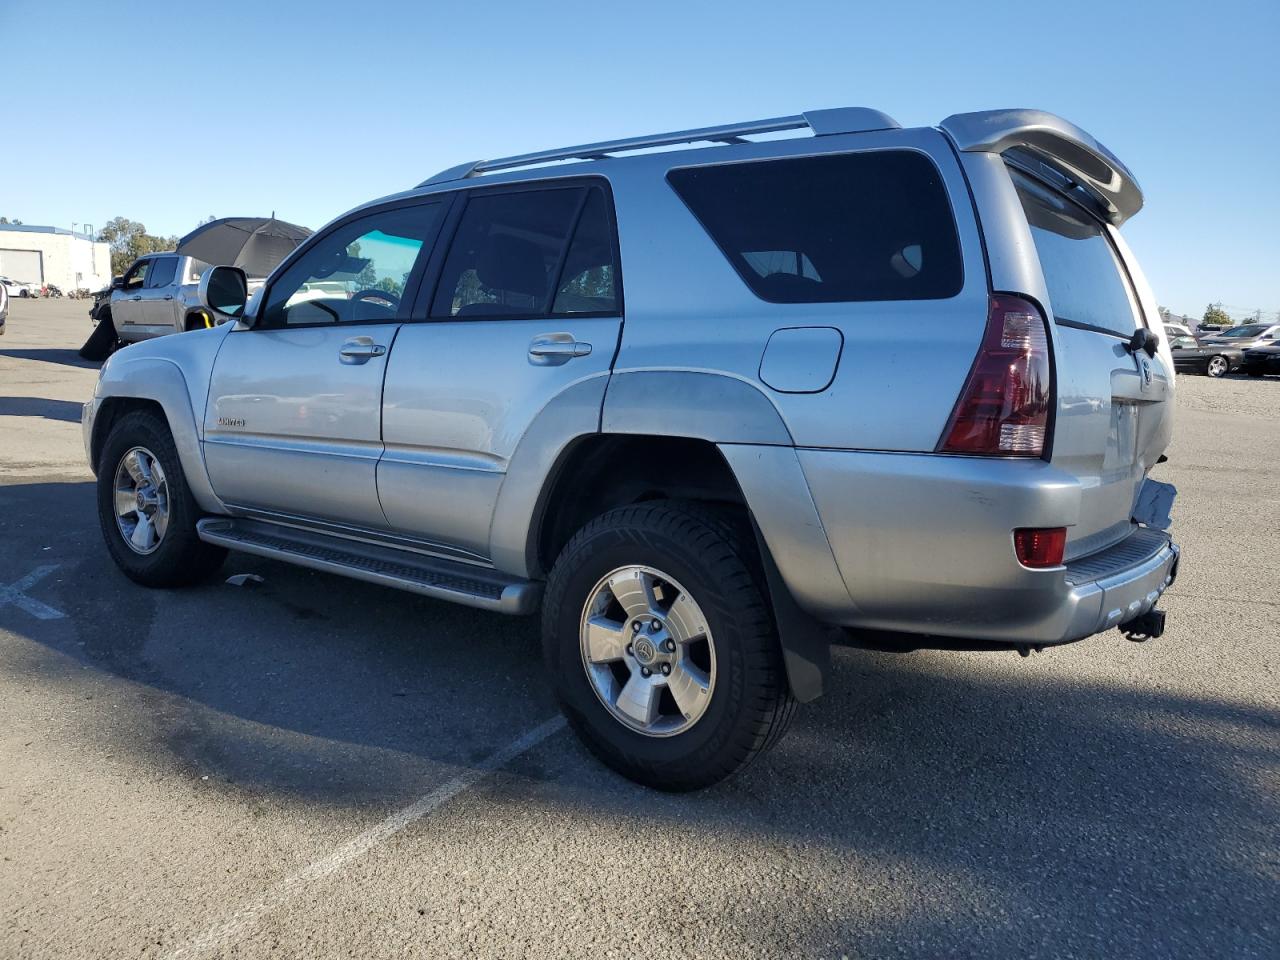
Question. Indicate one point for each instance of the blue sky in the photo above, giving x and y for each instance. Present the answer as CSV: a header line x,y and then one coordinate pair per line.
x,y
169,112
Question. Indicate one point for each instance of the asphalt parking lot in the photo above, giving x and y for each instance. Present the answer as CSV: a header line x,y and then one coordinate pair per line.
x,y
317,767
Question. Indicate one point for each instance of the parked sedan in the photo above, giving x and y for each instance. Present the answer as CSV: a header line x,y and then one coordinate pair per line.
x,y
15,288
1262,360
1247,335
1193,355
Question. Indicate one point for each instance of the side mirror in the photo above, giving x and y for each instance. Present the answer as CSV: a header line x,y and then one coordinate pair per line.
x,y
224,290
117,283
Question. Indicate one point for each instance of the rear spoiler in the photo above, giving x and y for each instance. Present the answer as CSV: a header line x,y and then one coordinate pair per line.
x,y
1053,149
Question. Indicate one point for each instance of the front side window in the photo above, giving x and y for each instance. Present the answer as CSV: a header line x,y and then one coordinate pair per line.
x,y
836,228
136,275
1080,267
512,257
162,271
356,273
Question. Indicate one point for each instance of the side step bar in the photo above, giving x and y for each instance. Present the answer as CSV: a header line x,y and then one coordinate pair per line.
x,y
403,569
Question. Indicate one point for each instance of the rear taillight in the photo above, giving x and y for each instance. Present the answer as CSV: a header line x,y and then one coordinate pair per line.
x,y
1040,546
1003,409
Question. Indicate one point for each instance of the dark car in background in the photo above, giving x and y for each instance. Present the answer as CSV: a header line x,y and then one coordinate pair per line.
x,y
1193,355
1259,361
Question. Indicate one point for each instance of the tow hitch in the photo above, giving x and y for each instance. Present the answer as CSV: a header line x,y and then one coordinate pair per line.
x,y
1146,627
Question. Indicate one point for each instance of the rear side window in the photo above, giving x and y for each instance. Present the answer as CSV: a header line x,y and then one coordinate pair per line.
x,y
531,253
162,271
1080,267
836,228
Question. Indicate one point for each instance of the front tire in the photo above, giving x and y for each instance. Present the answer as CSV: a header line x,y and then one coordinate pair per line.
x,y
1218,366
661,647
145,508
102,340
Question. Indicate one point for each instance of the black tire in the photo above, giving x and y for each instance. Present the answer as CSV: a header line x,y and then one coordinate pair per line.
x,y
196,320
102,341
181,558
1254,373
715,559
1223,369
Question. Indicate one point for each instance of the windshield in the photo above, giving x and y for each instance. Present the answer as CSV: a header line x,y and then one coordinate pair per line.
x,y
1252,330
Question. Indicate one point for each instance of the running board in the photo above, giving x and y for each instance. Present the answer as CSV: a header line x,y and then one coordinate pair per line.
x,y
403,569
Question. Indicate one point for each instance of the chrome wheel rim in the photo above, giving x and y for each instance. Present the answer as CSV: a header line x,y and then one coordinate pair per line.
x,y
647,651
141,500
1217,367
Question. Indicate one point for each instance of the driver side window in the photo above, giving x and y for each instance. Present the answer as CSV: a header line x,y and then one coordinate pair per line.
x,y
356,273
137,275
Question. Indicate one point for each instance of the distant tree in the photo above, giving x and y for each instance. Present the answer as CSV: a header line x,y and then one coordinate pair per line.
x,y
129,240
16,223
1214,313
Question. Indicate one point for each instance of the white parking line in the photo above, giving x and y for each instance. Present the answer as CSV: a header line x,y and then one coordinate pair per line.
x,y
15,593
227,933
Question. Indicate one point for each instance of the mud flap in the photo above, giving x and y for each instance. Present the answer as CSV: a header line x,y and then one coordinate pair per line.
x,y
806,641
1155,499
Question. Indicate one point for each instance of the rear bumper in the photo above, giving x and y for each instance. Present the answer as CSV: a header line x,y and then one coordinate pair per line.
x,y
924,545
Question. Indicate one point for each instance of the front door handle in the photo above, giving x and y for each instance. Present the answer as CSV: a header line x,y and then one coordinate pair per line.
x,y
552,349
136,297
169,296
360,350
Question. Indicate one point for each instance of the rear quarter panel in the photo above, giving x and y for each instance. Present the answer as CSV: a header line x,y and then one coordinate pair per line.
x,y
902,363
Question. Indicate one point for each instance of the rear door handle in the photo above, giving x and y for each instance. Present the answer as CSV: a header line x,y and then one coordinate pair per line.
x,y
168,296
552,349
360,350
136,297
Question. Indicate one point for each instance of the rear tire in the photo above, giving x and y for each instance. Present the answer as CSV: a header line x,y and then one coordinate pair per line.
x,y
1254,373
705,570
174,556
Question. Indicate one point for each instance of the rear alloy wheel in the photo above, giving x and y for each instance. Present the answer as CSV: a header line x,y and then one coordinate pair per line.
x,y
661,645
1218,367
647,651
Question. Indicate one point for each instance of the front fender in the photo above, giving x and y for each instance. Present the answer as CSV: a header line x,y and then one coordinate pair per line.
x,y
175,376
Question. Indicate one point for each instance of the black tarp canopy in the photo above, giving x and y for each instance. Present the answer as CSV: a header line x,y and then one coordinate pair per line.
x,y
254,244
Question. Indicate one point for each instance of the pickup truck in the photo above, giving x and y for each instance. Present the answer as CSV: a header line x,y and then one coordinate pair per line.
x,y
156,296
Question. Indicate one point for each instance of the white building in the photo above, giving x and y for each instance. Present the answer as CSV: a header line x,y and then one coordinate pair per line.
x,y
40,255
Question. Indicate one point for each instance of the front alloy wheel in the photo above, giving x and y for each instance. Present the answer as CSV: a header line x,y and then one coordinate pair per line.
x,y
142,500
1218,367
145,508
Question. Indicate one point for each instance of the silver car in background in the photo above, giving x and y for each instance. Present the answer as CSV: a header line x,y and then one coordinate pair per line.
x,y
699,406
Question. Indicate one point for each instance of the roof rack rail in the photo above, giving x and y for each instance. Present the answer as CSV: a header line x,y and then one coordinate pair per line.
x,y
821,122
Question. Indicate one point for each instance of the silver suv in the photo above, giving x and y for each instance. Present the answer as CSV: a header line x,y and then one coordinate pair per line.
x,y
700,406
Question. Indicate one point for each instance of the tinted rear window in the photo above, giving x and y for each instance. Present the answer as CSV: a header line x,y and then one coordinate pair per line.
x,y
1081,270
835,228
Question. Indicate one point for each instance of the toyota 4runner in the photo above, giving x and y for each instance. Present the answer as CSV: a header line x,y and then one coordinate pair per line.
x,y
700,406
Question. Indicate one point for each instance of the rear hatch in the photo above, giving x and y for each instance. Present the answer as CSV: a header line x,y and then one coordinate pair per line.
x,y
1113,407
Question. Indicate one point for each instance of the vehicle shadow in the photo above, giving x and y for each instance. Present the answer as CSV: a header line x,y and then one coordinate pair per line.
x,y
1033,804
68,358
65,410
